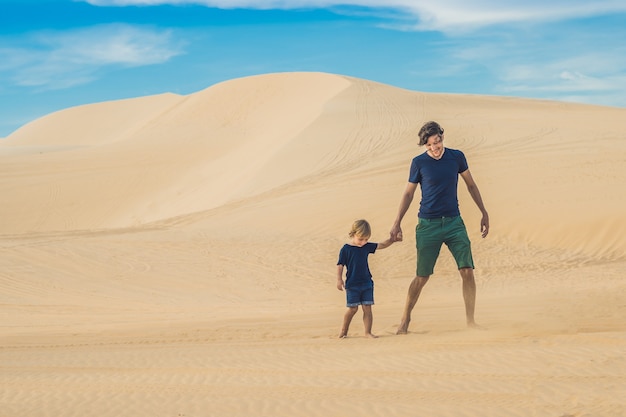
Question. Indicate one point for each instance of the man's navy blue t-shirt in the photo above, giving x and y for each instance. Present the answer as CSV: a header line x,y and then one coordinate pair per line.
x,y
354,258
438,179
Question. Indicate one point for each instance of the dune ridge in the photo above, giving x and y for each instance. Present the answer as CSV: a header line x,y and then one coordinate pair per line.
x,y
175,255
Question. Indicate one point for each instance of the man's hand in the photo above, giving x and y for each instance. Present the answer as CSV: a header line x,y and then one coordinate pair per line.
x,y
396,234
484,225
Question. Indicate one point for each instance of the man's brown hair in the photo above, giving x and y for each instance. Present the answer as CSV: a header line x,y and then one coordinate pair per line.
x,y
429,129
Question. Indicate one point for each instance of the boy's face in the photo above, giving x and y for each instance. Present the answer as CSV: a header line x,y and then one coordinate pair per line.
x,y
360,240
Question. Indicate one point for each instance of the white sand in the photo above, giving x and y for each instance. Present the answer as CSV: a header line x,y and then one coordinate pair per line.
x,y
175,256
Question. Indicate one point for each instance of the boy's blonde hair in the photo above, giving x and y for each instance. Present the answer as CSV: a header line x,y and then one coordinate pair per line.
x,y
360,228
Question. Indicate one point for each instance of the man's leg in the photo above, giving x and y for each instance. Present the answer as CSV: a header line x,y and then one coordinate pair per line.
x,y
413,294
469,294
459,244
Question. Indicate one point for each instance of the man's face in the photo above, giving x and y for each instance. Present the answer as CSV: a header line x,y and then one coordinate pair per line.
x,y
434,146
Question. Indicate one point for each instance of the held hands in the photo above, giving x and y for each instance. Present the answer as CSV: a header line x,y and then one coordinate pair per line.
x,y
395,234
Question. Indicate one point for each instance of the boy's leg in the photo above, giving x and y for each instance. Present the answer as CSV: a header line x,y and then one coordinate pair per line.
x,y
368,320
347,318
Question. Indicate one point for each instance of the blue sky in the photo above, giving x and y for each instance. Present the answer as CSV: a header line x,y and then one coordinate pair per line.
x,y
56,54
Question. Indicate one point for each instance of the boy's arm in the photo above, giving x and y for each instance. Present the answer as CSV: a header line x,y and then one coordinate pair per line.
x,y
340,283
386,243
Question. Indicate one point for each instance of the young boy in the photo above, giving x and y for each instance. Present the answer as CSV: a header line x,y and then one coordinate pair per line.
x,y
359,285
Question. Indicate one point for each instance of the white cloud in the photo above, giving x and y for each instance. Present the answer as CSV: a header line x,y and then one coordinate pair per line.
x,y
569,80
441,15
559,63
113,44
54,60
571,76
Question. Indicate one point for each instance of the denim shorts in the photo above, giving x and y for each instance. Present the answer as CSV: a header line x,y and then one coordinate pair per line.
x,y
430,234
362,294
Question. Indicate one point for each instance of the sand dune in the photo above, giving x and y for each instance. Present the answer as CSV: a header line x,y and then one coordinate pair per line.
x,y
174,256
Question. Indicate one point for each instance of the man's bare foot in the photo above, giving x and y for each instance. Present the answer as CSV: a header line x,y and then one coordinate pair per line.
x,y
343,336
371,336
403,328
474,325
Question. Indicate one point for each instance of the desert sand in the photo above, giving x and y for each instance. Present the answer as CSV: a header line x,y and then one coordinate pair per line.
x,y
175,256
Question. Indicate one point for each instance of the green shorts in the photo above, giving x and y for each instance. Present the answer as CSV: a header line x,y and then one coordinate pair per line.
x,y
430,234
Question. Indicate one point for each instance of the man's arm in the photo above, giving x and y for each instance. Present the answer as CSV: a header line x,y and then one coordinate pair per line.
x,y
405,203
475,193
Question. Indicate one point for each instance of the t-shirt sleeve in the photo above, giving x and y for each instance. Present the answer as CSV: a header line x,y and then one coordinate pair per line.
x,y
342,257
462,162
415,175
372,247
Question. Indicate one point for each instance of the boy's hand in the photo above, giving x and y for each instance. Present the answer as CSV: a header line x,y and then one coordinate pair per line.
x,y
340,285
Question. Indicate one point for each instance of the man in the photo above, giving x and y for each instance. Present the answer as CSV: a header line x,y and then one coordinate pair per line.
x,y
439,219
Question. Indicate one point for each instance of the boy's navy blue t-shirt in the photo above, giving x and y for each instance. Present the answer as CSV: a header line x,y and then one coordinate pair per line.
x,y
438,179
354,258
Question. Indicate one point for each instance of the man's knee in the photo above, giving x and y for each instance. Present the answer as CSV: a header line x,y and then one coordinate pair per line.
x,y
419,282
422,279
467,273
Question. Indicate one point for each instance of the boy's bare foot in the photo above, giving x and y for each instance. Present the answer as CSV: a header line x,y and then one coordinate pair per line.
x,y
371,336
343,336
474,325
